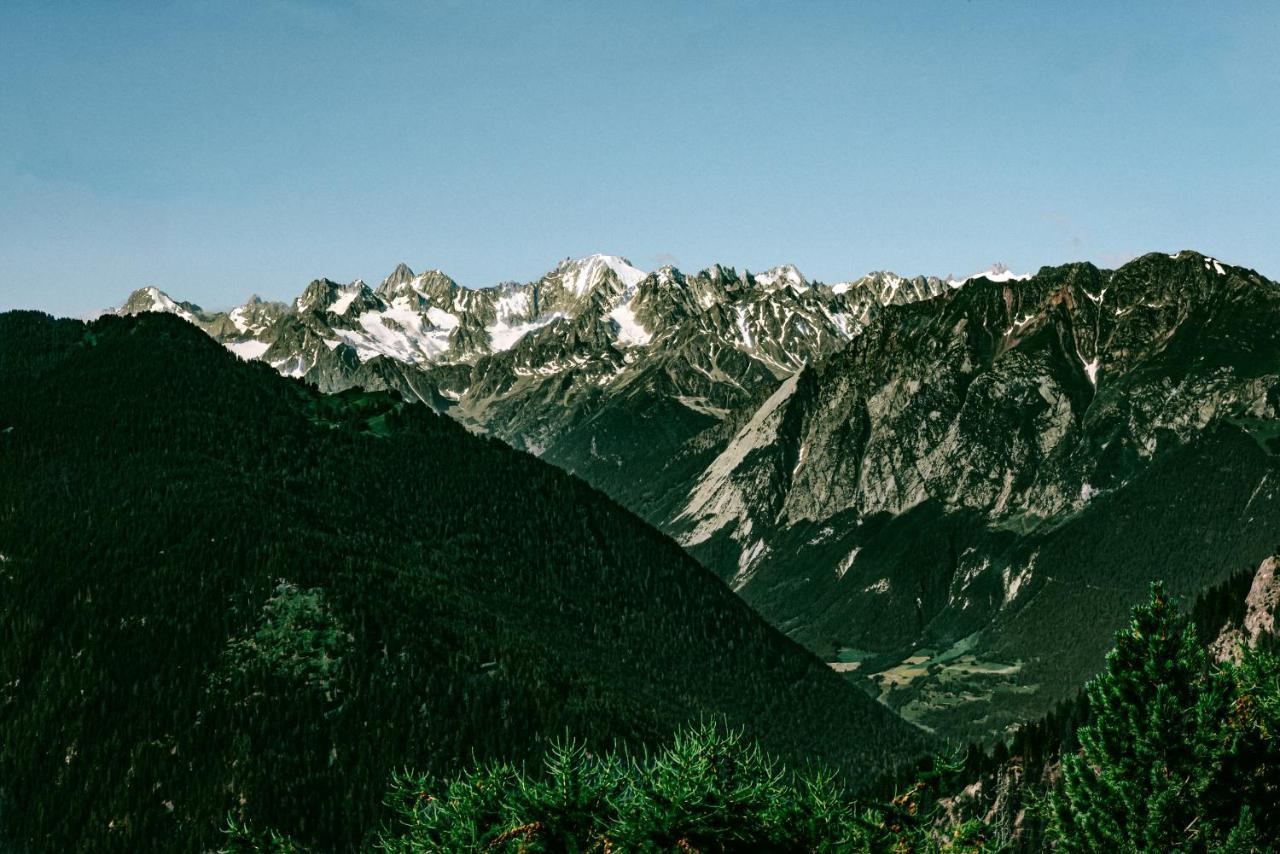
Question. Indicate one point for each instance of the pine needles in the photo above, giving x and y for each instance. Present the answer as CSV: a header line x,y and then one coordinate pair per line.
x,y
709,790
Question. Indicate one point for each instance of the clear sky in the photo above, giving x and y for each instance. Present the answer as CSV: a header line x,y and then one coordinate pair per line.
x,y
219,149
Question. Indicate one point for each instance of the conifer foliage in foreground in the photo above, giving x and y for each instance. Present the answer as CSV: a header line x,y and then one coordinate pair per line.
x,y
708,790
1179,753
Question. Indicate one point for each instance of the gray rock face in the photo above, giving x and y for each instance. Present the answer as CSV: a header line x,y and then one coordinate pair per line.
x,y
938,475
1259,621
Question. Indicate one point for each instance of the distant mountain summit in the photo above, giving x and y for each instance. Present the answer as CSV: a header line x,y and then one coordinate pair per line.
x,y
153,299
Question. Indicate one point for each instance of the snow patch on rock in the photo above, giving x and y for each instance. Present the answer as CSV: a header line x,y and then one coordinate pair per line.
x,y
248,350
631,331
847,562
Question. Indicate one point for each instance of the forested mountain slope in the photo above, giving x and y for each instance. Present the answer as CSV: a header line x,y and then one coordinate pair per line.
x,y
224,592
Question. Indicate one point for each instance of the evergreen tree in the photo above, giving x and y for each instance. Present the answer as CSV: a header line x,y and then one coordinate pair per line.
x,y
1246,785
1147,759
710,789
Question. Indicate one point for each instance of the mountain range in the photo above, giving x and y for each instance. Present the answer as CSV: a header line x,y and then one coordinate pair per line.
x,y
951,490
592,329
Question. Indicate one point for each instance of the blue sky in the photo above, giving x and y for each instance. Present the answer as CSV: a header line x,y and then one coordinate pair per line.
x,y
221,149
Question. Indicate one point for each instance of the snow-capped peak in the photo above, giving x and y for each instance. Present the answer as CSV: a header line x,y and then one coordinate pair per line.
x,y
996,273
160,301
425,317
882,283
786,274
152,299
581,275
149,298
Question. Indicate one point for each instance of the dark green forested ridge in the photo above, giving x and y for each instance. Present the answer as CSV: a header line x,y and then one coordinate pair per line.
x,y
222,592
1172,752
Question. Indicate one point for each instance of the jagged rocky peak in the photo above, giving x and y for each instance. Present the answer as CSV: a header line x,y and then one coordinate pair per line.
x,y
1162,283
324,295
402,274
151,298
254,317
1195,259
666,277
888,288
437,287
355,299
318,295
998,272
720,274
257,305
781,276
877,282
717,274
1180,255
582,275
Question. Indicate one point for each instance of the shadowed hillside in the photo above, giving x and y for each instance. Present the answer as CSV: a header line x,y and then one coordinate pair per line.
x,y
222,592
